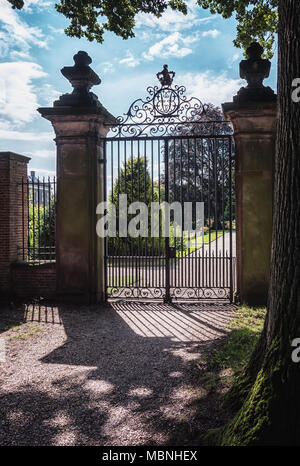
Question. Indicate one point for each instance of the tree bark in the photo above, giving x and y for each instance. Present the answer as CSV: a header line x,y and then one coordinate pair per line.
x,y
267,394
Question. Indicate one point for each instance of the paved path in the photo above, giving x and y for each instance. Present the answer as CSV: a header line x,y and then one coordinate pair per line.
x,y
222,244
119,375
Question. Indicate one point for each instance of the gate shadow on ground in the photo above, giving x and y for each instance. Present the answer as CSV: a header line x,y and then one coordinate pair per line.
x,y
128,369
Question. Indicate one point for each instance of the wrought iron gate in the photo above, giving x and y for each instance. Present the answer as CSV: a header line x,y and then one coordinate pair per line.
x,y
170,148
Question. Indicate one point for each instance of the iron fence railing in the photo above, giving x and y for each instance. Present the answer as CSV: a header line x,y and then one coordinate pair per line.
x,y
37,237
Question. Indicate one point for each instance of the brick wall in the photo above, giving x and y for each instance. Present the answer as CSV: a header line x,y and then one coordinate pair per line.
x,y
13,167
4,224
18,279
33,281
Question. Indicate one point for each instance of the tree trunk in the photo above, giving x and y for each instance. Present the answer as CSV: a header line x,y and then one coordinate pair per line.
x,y
267,394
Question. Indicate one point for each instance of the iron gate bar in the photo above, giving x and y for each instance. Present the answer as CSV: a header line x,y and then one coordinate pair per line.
x,y
37,242
167,298
211,261
230,221
198,271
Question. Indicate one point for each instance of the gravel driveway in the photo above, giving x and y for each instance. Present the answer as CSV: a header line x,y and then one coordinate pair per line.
x,y
121,374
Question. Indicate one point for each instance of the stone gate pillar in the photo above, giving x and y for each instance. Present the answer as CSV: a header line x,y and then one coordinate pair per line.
x,y
80,122
253,117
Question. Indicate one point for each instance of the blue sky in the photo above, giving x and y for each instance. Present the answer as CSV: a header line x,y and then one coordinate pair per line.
x,y
33,49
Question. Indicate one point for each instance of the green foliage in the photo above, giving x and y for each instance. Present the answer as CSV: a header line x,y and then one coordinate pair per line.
x,y
209,159
16,4
257,19
227,209
41,229
135,181
118,17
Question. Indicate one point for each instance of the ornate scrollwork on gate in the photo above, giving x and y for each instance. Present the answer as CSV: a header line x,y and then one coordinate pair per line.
x,y
200,293
136,292
162,112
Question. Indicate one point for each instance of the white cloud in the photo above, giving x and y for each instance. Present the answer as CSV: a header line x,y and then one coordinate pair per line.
x,y
18,93
47,95
233,59
42,154
149,35
9,134
171,20
174,45
129,60
40,4
19,55
42,171
211,33
16,34
56,30
107,67
210,88
2,92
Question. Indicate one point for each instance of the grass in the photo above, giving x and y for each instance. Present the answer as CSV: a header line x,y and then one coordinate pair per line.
x,y
245,330
213,234
29,332
227,360
22,331
195,245
10,326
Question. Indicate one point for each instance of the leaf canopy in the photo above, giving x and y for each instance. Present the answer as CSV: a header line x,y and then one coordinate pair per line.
x,y
257,19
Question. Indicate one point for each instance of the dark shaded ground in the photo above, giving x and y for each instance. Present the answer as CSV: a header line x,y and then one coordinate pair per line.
x,y
124,374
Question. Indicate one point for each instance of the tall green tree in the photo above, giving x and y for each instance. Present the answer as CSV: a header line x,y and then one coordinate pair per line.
x,y
199,169
135,181
265,397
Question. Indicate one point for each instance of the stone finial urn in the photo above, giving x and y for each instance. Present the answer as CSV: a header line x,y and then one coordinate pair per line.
x,y
255,69
82,78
